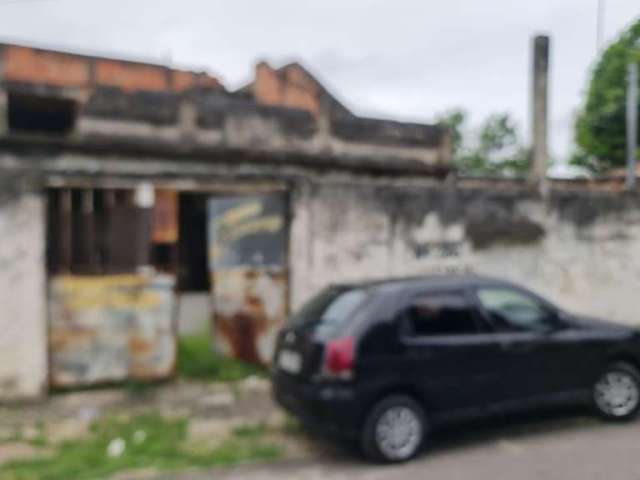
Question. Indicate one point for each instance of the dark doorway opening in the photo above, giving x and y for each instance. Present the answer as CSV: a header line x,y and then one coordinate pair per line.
x,y
193,265
92,231
36,113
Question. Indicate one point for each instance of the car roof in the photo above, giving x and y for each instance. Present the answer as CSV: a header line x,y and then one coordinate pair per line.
x,y
435,282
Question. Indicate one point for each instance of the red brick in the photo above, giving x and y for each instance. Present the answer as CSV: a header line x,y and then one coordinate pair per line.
x,y
301,91
207,81
290,87
24,64
183,80
267,88
130,76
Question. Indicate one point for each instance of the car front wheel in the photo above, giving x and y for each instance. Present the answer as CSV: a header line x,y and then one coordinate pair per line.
x,y
616,392
394,430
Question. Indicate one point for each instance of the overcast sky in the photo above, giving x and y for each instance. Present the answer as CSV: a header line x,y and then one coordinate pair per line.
x,y
397,59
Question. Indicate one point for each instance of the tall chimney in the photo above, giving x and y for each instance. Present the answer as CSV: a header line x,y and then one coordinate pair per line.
x,y
4,111
540,83
4,107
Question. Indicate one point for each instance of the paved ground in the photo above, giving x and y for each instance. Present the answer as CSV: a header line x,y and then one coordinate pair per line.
x,y
567,446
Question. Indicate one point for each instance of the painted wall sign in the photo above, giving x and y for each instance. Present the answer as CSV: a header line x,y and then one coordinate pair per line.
x,y
247,231
247,259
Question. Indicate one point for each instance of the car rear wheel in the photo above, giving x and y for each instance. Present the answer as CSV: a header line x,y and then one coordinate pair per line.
x,y
394,430
616,392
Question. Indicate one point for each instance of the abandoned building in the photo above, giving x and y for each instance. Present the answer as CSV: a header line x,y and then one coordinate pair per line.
x,y
136,199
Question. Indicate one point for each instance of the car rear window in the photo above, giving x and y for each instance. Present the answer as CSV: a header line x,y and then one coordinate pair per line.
x,y
330,310
444,313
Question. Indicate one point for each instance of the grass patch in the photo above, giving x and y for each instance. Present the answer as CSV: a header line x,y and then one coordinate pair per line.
x,y
149,441
14,436
292,426
250,431
40,439
139,388
196,359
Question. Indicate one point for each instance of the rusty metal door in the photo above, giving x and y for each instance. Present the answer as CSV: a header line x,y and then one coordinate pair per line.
x,y
249,278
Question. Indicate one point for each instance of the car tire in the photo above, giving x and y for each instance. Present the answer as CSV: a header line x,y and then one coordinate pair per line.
x,y
394,430
615,393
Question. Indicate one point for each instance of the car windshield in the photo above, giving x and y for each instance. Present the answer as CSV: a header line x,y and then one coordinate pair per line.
x,y
330,310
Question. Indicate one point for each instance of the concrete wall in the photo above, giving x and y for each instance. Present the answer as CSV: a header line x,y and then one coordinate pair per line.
x,y
194,310
580,249
23,351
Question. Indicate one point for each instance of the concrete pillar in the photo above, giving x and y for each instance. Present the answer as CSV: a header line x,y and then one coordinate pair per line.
x,y
188,120
23,320
4,99
632,125
539,107
324,125
4,112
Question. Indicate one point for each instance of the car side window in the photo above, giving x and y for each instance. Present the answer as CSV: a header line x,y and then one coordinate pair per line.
x,y
436,314
515,311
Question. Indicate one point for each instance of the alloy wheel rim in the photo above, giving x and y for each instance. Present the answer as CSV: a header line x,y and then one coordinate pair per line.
x,y
398,433
616,393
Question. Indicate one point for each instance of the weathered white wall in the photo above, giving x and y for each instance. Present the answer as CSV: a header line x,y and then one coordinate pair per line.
x,y
579,249
194,311
23,352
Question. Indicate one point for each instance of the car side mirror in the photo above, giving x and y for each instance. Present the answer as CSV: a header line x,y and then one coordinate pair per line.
x,y
558,322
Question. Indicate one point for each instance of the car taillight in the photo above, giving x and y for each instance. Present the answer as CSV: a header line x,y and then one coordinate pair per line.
x,y
339,358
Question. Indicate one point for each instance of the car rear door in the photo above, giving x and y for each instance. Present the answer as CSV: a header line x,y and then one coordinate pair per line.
x,y
448,350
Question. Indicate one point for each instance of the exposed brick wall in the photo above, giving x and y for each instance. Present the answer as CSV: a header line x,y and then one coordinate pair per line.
x,y
288,87
131,77
23,64
207,81
267,88
300,91
58,69
183,81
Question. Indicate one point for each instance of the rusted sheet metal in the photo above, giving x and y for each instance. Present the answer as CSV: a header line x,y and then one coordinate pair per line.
x,y
111,328
165,217
250,308
247,239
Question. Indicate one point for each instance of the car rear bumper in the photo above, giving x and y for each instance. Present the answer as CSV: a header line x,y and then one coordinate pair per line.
x,y
332,409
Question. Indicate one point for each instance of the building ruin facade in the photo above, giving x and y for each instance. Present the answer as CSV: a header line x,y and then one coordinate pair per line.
x,y
136,197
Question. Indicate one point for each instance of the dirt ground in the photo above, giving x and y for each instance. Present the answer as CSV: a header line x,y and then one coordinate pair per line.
x,y
212,409
558,445
562,446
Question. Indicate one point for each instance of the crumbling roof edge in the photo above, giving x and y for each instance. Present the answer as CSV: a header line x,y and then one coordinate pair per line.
x,y
248,87
29,144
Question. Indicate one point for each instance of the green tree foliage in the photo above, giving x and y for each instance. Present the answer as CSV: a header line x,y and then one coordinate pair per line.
x,y
497,150
455,119
600,128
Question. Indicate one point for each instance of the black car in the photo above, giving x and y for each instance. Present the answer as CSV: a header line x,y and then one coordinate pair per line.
x,y
386,362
